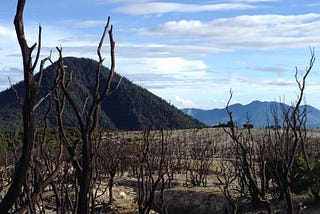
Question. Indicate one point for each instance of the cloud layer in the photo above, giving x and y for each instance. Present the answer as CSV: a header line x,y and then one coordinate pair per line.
x,y
147,8
243,32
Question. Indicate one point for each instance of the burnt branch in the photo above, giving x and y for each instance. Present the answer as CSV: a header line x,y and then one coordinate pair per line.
x,y
19,99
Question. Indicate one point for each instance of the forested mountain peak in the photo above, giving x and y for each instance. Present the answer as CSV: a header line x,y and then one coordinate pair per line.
x,y
129,106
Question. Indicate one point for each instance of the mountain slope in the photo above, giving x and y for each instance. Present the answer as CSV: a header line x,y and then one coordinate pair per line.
x,y
129,107
259,113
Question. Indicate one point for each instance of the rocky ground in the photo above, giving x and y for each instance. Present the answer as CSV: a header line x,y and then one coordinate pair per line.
x,y
193,200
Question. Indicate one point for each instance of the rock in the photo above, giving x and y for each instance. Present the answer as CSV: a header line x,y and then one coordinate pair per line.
x,y
190,202
123,194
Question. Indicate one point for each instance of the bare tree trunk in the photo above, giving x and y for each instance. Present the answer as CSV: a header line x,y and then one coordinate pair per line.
x,y
29,103
85,180
19,176
289,199
89,123
111,183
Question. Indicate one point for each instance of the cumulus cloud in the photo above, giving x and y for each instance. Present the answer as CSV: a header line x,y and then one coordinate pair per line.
x,y
178,65
52,36
170,65
184,103
256,32
156,73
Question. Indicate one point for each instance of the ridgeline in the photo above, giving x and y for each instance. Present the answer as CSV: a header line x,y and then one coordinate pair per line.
x,y
129,107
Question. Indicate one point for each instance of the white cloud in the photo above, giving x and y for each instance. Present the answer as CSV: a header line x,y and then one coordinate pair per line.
x,y
162,50
8,39
164,73
52,36
280,82
169,65
184,26
10,58
84,24
256,32
184,103
258,82
311,4
274,68
7,32
168,7
177,65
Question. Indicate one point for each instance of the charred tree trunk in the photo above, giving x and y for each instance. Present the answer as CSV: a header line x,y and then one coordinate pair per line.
x,y
85,180
88,123
110,186
29,104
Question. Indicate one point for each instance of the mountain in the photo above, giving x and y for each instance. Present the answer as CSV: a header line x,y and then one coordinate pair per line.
x,y
258,112
129,107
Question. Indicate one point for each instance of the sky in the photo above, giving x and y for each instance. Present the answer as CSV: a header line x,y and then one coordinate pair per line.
x,y
190,53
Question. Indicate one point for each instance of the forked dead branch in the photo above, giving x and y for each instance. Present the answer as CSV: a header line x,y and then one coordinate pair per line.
x,y
275,157
29,181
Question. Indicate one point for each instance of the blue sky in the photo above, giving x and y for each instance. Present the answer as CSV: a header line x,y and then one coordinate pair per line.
x,y
190,53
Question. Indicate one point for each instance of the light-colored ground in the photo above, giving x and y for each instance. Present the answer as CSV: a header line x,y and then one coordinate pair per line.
x,y
182,197
193,200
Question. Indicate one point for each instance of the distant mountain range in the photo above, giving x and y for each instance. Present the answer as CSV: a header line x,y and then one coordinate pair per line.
x,y
130,107
258,112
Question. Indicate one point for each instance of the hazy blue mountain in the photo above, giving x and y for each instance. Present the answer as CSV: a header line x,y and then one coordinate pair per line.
x,y
130,107
259,114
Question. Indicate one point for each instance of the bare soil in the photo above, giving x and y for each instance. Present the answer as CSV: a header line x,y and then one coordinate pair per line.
x,y
181,199
186,199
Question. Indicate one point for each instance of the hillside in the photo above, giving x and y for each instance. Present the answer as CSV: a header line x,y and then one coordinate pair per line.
x,y
258,112
130,107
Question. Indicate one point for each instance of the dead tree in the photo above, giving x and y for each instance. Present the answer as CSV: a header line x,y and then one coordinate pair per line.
x,y
244,151
33,156
89,122
249,164
72,165
290,142
29,104
256,163
111,154
153,161
227,177
200,160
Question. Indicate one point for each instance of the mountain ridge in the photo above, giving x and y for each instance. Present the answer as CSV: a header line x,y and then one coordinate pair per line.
x,y
259,113
129,107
